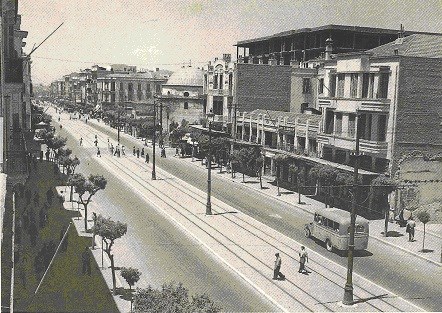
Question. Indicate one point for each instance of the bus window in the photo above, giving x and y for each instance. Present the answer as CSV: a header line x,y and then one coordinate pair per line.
x,y
359,229
336,227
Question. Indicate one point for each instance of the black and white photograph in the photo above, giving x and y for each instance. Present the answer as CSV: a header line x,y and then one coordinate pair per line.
x,y
221,156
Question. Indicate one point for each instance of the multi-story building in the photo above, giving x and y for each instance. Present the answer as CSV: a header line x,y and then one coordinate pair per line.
x,y
300,45
391,94
218,88
134,89
16,91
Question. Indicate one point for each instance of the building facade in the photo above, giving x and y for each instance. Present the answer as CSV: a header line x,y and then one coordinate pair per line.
x,y
16,91
182,98
390,95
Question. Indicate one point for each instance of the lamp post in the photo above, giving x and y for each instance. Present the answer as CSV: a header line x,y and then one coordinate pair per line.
x,y
154,175
348,289
210,115
118,128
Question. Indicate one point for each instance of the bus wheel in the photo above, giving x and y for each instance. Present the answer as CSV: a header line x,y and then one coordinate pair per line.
x,y
328,245
307,232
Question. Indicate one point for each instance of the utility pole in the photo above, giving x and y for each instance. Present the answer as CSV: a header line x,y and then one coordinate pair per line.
x,y
118,133
154,175
161,125
348,289
233,135
209,167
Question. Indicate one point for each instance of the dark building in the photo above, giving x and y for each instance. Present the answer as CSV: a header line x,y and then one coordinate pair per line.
x,y
308,43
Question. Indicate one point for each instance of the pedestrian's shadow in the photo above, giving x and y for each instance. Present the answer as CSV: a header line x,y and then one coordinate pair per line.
x,y
227,212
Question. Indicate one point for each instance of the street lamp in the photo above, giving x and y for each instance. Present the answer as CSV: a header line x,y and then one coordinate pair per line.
x,y
348,289
210,115
154,175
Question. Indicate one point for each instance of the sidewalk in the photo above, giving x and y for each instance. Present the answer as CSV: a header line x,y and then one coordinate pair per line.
x,y
64,191
398,238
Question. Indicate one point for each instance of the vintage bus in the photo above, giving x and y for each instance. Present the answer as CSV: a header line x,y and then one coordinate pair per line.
x,y
332,226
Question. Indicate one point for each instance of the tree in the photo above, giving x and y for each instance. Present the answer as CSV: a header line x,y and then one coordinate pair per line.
x,y
381,186
172,298
279,159
86,188
294,172
259,164
424,217
220,149
110,231
131,275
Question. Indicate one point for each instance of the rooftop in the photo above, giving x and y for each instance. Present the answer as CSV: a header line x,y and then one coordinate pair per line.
x,y
330,27
186,76
416,45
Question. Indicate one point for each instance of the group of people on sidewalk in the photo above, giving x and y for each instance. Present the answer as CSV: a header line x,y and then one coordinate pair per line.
x,y
303,259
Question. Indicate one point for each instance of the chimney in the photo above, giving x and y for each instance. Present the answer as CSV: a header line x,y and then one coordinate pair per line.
x,y
328,48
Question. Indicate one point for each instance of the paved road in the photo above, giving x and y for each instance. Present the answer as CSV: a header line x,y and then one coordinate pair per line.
x,y
405,275
161,251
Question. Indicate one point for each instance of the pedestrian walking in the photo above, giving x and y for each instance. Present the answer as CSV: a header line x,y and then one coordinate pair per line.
x,y
86,260
411,224
96,142
163,152
142,152
81,141
138,152
277,268
134,151
112,149
176,151
47,153
108,143
123,152
98,152
303,258
147,157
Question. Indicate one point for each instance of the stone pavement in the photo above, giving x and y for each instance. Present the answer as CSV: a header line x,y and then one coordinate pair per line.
x,y
247,247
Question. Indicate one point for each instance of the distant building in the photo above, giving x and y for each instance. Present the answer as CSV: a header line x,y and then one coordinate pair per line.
x,y
182,97
218,88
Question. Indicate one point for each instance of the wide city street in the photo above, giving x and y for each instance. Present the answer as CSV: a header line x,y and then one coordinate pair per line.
x,y
164,252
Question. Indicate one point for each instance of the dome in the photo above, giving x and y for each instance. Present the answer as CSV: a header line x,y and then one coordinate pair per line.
x,y
187,76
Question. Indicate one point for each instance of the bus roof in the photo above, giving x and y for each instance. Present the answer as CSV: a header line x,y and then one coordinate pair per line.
x,y
339,216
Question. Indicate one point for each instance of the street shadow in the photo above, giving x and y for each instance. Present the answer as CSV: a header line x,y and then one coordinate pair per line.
x,y
369,298
124,293
228,212
426,250
393,233
265,188
251,182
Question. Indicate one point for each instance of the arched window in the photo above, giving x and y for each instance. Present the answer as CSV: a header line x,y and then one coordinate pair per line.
x,y
186,105
186,94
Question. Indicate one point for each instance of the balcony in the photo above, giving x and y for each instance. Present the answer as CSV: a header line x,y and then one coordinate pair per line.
x,y
366,104
376,147
220,92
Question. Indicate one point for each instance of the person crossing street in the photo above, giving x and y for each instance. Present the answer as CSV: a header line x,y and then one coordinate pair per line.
x,y
277,275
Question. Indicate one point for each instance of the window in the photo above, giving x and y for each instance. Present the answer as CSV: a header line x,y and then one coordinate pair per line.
x,y
371,86
121,86
341,83
221,83
338,124
332,85
382,127
365,83
351,125
329,122
354,86
230,80
186,105
112,86
148,87
215,81
158,88
186,94
306,85
130,92
383,86
218,105
321,86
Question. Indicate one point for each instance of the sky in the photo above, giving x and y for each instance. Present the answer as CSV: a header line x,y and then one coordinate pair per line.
x,y
170,33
